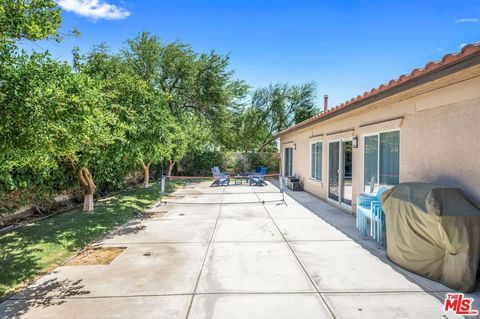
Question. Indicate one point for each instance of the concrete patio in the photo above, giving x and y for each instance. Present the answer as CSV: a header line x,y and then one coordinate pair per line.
x,y
235,252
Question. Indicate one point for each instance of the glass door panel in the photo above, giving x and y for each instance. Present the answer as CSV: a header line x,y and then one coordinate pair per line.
x,y
389,158
347,173
381,158
370,164
333,170
288,162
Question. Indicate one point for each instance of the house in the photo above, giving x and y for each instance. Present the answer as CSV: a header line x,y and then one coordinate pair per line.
x,y
423,126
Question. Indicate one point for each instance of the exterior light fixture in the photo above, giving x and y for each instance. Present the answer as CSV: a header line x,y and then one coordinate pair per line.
x,y
355,142
295,146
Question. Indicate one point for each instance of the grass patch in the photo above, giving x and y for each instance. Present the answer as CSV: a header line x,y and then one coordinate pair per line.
x,y
38,247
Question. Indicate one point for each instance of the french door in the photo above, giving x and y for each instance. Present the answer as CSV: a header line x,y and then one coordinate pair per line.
x,y
340,172
333,171
288,169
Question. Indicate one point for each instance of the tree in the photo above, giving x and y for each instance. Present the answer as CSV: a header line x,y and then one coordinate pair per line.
x,y
51,115
107,114
190,85
219,97
31,20
93,128
191,133
141,109
155,137
271,110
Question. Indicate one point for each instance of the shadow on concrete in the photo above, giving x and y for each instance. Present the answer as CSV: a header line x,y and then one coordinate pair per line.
x,y
131,229
47,294
345,223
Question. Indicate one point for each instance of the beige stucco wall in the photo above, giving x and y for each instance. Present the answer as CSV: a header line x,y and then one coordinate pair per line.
x,y
439,135
444,144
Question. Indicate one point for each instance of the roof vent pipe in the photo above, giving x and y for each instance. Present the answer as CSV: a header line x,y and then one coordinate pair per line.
x,y
325,103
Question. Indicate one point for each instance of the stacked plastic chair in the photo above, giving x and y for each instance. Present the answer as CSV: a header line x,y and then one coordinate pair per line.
x,y
370,209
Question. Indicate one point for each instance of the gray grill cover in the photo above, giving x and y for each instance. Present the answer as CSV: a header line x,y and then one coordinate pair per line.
x,y
433,231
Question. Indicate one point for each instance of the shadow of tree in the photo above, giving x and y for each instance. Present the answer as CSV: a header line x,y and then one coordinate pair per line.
x,y
50,293
130,229
36,248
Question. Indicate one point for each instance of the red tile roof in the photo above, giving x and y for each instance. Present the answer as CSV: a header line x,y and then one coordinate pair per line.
x,y
415,73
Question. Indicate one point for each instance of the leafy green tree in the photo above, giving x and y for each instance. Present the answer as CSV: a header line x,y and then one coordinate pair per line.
x,y
141,109
50,115
190,85
219,96
29,19
192,134
271,110
154,136
107,114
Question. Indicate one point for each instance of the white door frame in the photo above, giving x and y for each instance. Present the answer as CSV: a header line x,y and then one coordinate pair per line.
x,y
284,156
341,168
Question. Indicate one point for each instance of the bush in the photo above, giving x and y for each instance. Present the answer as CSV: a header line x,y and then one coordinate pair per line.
x,y
200,164
240,166
34,187
269,160
26,186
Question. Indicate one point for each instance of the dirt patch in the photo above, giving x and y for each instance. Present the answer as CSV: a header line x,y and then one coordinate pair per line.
x,y
96,256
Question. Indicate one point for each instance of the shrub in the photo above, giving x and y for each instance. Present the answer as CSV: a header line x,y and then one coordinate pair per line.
x,y
200,164
267,159
240,165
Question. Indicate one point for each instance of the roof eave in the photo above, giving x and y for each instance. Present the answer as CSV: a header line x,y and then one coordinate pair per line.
x,y
444,70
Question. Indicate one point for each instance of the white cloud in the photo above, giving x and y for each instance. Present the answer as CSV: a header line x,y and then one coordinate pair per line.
x,y
95,9
467,20
462,45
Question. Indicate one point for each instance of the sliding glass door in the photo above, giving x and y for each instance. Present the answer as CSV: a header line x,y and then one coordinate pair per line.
x,y
381,157
340,172
347,173
333,170
288,168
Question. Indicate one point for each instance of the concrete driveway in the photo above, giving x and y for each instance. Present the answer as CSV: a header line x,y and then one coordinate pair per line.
x,y
235,252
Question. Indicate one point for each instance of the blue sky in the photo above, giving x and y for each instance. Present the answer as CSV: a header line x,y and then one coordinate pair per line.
x,y
346,47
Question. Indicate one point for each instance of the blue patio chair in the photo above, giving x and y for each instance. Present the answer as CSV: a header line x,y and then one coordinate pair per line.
x,y
378,221
259,179
365,208
220,179
369,209
257,171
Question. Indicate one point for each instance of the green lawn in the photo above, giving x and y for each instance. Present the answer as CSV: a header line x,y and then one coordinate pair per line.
x,y
36,248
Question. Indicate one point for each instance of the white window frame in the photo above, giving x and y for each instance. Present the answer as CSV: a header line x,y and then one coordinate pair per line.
x,y
362,179
310,162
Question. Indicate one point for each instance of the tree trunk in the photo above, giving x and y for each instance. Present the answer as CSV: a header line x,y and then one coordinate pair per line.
x,y
170,167
146,174
86,181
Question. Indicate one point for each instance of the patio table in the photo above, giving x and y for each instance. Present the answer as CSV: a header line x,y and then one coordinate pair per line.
x,y
240,178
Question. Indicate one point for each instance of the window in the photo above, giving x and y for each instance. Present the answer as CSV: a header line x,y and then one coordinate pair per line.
x,y
381,161
316,160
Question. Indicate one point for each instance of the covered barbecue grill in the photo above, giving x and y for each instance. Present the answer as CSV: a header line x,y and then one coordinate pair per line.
x,y
433,231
